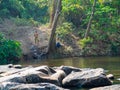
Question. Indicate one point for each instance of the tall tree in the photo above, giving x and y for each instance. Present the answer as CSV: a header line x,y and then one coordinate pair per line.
x,y
90,20
52,11
52,41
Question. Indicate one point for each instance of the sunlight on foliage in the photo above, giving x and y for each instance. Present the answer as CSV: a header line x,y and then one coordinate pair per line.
x,y
84,42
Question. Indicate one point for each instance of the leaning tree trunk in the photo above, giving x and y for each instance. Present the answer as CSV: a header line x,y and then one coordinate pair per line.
x,y
52,41
90,20
52,12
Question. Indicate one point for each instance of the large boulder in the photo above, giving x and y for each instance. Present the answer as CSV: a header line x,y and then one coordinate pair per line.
x,y
32,78
36,78
87,78
35,75
112,87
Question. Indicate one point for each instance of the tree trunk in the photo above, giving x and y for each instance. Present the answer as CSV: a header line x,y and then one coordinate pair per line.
x,y
90,20
52,41
52,12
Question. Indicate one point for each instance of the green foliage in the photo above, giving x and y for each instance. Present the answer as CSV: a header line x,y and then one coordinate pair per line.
x,y
36,9
72,11
10,50
63,30
84,42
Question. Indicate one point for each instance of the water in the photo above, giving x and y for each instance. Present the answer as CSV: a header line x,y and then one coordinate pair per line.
x,y
112,64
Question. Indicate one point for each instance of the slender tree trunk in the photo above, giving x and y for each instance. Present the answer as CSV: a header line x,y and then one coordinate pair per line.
x,y
90,20
52,41
52,12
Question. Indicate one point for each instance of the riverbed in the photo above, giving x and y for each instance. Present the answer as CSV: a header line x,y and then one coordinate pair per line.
x,y
110,64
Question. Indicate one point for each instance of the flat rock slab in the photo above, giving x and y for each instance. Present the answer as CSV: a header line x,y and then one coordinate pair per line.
x,y
87,78
40,86
112,87
20,86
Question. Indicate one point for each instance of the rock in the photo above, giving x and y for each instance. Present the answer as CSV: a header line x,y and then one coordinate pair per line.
x,y
118,79
87,78
47,70
17,66
66,76
7,85
59,76
40,86
30,76
5,68
69,69
10,65
10,71
112,87
21,86
35,78
110,76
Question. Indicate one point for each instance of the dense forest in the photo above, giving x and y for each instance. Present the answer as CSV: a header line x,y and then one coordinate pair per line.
x,y
92,27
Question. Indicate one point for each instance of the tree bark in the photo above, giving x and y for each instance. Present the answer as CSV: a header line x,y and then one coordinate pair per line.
x,y
52,41
52,12
90,20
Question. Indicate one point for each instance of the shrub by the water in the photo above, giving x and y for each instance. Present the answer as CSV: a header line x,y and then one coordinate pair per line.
x,y
10,50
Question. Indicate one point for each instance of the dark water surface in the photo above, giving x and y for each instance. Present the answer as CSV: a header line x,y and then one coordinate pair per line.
x,y
112,64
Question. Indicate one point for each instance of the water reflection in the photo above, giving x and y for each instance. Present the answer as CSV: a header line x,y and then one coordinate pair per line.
x,y
109,63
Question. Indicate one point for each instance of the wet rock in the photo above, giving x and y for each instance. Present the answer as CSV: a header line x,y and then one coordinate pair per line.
x,y
112,87
110,76
87,78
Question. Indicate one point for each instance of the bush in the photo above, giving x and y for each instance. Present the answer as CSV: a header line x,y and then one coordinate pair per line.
x,y
84,42
63,30
10,50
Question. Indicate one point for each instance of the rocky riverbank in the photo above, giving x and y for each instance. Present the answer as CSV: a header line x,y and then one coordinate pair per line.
x,y
15,77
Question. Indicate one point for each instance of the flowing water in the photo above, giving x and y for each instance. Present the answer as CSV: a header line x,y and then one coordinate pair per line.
x,y
112,64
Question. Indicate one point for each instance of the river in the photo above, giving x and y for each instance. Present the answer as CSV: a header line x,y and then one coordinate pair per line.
x,y
111,64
